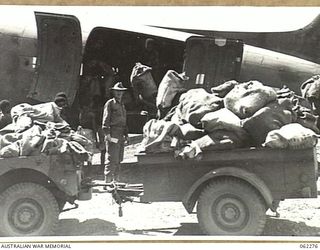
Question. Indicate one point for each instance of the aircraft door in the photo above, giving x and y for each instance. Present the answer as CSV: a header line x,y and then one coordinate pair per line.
x,y
59,56
210,62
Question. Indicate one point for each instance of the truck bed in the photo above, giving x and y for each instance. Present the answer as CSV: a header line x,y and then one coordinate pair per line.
x,y
285,171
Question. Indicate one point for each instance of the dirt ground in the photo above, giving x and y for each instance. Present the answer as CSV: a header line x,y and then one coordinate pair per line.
x,y
99,216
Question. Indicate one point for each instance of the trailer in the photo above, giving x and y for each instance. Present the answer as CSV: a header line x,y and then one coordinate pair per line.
x,y
229,190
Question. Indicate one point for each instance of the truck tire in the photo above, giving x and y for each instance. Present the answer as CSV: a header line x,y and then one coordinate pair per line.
x,y
28,209
231,207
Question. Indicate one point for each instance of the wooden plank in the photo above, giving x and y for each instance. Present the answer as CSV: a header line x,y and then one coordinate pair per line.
x,y
268,154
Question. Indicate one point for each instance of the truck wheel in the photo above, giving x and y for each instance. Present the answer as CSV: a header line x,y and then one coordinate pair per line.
x,y
231,207
28,209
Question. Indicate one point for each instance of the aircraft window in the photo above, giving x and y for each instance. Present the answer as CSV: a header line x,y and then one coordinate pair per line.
x,y
81,69
200,79
220,42
34,62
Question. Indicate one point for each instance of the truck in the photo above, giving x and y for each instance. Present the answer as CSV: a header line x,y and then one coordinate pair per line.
x,y
230,191
56,54
34,190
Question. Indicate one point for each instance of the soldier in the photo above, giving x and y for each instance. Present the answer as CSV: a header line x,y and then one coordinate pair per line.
x,y
114,125
61,108
150,57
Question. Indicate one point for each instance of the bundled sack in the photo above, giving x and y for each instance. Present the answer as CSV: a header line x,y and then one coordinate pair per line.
x,y
193,105
189,132
24,114
292,136
21,109
171,85
31,141
158,135
218,140
54,146
190,151
221,140
81,139
47,112
57,126
302,108
142,82
223,89
273,116
12,150
308,120
78,149
22,123
10,128
9,138
221,119
52,130
298,101
284,92
247,98
310,89
90,136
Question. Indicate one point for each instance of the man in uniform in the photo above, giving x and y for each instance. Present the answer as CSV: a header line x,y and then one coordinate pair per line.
x,y
150,57
114,125
60,105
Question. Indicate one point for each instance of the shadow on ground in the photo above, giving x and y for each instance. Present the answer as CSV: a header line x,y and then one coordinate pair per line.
x,y
184,229
274,227
189,229
97,227
281,227
72,227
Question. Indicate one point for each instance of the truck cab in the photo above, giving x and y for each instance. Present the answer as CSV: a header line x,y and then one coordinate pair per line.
x,y
34,190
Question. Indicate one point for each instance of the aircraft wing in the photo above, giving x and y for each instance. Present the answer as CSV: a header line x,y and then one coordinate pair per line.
x,y
303,43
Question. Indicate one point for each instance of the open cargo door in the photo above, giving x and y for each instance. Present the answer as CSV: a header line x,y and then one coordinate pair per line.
x,y
211,61
59,57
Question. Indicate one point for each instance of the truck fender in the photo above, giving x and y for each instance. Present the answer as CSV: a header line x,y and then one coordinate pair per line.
x,y
191,197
